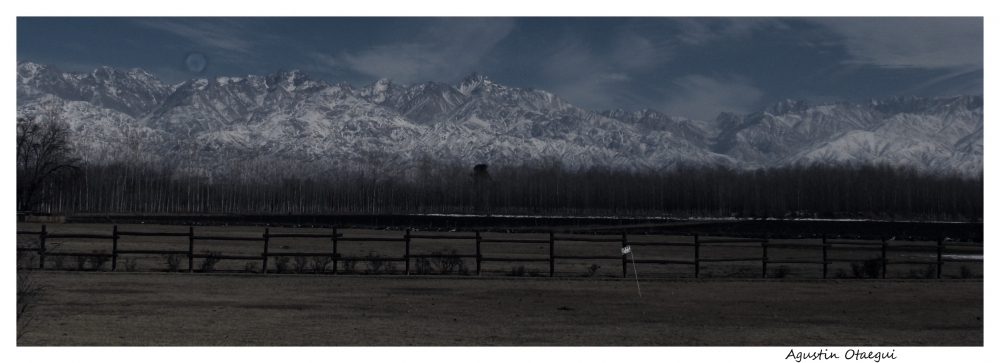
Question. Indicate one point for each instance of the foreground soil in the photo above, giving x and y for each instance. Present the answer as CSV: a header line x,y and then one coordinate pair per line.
x,y
181,309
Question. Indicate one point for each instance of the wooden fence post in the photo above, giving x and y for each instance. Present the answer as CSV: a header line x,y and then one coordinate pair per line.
x,y
624,260
883,256
697,247
552,254
191,249
41,248
940,263
267,238
407,237
114,248
764,260
479,255
825,263
333,238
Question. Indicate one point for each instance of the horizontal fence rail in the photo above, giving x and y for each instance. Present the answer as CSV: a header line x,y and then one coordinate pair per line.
x,y
883,247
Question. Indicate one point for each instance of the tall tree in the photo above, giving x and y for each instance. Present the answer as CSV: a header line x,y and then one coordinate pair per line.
x,y
44,152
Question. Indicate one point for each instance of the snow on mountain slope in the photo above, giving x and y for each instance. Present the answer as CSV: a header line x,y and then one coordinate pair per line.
x,y
287,117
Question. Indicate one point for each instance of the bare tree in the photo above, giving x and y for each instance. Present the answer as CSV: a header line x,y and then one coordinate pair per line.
x,y
44,152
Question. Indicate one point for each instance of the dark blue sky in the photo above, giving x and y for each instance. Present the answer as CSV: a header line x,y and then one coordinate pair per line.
x,y
693,67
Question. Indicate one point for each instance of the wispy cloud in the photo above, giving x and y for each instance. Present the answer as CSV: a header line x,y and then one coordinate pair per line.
x,y
703,98
593,79
700,31
445,49
223,38
911,42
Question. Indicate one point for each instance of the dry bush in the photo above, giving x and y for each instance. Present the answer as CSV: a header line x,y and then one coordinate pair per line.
x,y
173,261
59,262
423,266
208,264
928,272
349,264
319,263
28,293
870,268
516,271
447,262
130,264
27,259
782,271
81,261
592,270
97,262
301,262
965,272
373,265
281,264
250,267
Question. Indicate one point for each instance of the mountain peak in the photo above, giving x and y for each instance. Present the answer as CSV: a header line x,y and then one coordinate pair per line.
x,y
473,82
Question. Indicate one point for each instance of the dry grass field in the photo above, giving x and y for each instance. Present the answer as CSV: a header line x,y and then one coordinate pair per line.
x,y
181,309
729,305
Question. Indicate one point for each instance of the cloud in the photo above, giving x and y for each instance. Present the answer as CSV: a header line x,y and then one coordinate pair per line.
x,y
911,42
703,98
601,80
700,31
447,48
223,35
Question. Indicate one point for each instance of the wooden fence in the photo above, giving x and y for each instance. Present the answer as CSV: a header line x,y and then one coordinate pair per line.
x,y
826,245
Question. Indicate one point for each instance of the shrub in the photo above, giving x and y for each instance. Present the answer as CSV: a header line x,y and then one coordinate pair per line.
x,y
516,271
130,264
97,262
58,261
319,263
592,270
446,261
301,262
841,274
965,272
28,292
349,264
391,268
250,267
870,268
373,265
27,259
781,272
534,272
208,264
281,264
926,273
81,261
423,266
173,261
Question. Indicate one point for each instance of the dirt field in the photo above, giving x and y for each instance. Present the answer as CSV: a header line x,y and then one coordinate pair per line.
x,y
182,309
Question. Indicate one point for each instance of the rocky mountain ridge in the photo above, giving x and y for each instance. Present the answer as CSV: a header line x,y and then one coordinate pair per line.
x,y
288,117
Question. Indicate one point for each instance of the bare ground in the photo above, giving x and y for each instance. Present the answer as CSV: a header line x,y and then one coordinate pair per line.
x,y
234,309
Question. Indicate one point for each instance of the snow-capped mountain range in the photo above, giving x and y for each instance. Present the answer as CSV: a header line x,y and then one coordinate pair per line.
x,y
286,116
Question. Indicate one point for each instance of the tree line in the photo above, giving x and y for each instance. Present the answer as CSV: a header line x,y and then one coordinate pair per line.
x,y
137,183
818,191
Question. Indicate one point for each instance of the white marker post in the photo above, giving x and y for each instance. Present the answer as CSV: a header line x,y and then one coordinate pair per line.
x,y
628,250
